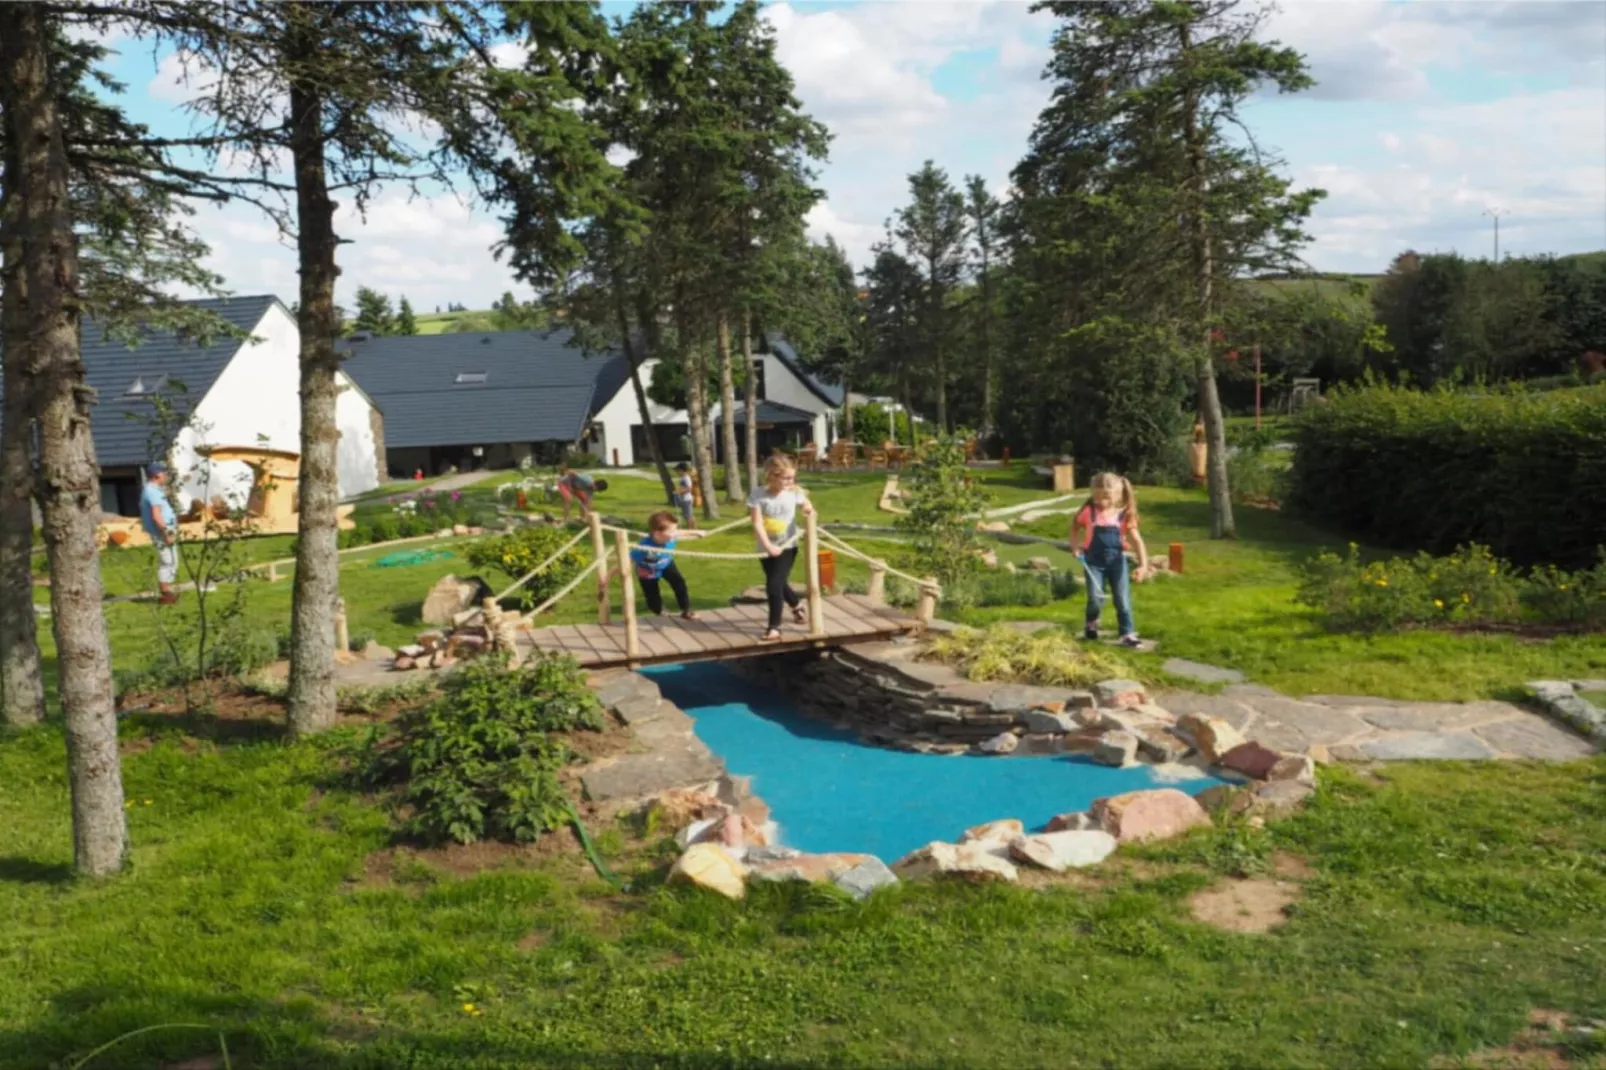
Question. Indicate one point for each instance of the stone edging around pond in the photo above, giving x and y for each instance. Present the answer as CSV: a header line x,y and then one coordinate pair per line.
x,y
728,837
1564,700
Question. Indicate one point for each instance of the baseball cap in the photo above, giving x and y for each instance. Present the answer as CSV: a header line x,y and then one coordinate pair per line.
x,y
155,468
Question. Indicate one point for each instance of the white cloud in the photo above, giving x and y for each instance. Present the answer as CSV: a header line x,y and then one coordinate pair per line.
x,y
855,238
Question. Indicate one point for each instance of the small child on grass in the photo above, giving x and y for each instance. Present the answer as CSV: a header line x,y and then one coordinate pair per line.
x,y
653,565
685,496
1100,532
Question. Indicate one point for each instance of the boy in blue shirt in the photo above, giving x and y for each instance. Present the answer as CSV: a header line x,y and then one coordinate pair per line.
x,y
653,566
156,517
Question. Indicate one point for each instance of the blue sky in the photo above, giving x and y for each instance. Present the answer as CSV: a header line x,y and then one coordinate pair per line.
x,y
1425,116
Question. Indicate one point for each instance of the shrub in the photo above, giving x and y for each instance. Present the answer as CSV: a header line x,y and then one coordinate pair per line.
x,y
1024,588
1469,587
943,500
481,761
1522,473
1049,657
520,551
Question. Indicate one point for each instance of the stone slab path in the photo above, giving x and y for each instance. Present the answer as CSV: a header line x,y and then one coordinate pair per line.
x,y
1356,728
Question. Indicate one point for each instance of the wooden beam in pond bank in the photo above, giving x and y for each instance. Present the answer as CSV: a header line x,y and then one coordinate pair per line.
x,y
718,634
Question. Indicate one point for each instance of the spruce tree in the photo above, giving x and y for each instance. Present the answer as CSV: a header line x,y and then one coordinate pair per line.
x,y
406,323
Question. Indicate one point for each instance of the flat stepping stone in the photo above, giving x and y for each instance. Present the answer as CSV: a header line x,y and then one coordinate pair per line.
x,y
1027,627
1316,724
1535,737
649,774
1145,646
1182,703
1436,716
1427,746
1198,670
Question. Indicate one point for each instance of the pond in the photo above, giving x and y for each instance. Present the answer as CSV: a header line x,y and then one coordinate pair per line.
x,y
829,792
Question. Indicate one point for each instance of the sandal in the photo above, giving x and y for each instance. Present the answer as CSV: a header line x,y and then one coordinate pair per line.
x,y
690,614
798,615
771,636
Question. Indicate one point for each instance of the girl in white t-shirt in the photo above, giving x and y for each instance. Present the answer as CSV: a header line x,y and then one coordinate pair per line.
x,y
774,508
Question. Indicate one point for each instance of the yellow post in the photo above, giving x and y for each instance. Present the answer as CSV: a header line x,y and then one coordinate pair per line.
x,y
600,548
878,583
811,545
627,587
926,608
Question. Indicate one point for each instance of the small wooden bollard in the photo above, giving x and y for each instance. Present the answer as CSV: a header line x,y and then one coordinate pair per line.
x,y
599,547
273,572
926,607
1174,557
811,538
877,591
342,632
627,588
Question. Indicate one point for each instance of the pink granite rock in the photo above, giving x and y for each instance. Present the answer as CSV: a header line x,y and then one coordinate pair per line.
x,y
1001,831
1211,735
1251,759
1138,816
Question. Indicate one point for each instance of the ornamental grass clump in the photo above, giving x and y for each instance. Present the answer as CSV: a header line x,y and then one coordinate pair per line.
x,y
1048,658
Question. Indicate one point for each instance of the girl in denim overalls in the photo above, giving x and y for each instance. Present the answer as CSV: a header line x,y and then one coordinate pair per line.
x,y
1106,524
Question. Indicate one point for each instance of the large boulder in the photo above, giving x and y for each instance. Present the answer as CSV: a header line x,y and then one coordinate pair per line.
x,y
1138,816
1116,748
1211,735
708,865
449,597
1059,851
967,861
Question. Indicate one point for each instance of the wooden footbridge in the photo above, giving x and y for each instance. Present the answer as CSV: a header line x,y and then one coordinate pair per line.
x,y
831,620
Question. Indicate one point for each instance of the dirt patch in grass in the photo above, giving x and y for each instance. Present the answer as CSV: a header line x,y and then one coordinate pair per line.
x,y
1536,1047
1256,905
1291,867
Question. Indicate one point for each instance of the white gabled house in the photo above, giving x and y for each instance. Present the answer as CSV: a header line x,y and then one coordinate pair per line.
x,y
240,393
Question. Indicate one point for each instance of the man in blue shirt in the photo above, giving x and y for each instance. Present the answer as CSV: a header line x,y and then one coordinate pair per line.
x,y
157,518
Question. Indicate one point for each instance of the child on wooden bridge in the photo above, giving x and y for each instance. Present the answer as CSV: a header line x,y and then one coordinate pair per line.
x,y
653,565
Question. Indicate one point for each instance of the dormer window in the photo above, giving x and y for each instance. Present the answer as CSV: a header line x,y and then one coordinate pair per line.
x,y
471,378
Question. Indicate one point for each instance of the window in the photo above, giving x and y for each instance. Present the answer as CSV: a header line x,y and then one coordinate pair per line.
x,y
145,385
758,377
471,378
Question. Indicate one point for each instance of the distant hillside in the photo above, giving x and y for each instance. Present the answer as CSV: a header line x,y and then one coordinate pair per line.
x,y
441,322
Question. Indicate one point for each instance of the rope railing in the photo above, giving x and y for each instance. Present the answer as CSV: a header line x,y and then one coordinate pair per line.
x,y
543,566
556,598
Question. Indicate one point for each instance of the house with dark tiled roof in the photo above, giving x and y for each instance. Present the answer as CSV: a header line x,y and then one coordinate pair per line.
x,y
239,393
488,400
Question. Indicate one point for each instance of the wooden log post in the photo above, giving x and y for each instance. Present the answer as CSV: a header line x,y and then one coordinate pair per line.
x,y
877,591
342,631
811,543
599,547
926,608
627,587
273,572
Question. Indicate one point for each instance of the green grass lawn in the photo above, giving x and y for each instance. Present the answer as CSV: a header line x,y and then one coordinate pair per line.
x,y
1437,907
1232,607
1440,907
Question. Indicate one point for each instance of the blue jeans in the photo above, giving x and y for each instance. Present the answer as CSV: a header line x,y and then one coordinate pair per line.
x,y
1101,570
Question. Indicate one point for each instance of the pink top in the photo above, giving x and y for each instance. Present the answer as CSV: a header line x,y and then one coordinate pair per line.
x,y
1090,518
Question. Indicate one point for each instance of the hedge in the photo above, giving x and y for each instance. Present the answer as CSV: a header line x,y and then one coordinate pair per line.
x,y
1521,473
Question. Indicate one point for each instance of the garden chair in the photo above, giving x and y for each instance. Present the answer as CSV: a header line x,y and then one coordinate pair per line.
x,y
878,459
808,458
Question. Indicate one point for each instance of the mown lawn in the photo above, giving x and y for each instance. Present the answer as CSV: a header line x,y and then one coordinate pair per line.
x,y
1441,905
1232,607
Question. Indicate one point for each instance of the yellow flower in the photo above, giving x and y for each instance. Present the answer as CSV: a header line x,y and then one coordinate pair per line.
x,y
1439,602
147,802
468,1008
1465,597
1563,587
1382,583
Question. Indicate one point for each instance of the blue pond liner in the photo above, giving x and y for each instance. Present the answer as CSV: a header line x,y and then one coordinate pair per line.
x,y
830,792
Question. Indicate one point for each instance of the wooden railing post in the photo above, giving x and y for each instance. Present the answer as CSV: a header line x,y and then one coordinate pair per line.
x,y
926,608
627,586
342,631
877,591
273,572
811,545
599,547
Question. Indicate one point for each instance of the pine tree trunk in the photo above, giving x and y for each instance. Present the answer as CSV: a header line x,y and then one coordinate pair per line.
x,y
942,391
69,478
22,685
750,389
1222,525
634,358
847,409
317,581
727,412
697,415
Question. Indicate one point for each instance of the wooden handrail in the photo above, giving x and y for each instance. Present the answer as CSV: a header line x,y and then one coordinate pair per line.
x,y
627,588
600,547
811,545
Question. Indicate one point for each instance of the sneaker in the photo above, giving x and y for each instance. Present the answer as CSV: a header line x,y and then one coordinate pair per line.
x,y
167,598
1090,634
1131,640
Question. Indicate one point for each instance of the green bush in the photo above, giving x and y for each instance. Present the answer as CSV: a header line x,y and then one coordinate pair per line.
x,y
1024,588
481,760
520,551
1523,473
1470,587
943,500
